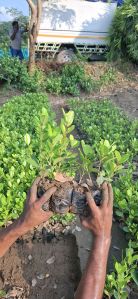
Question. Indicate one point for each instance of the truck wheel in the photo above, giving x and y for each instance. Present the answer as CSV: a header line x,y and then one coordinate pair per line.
x,y
65,56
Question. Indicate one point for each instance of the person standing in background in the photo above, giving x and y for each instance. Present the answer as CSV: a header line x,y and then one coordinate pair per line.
x,y
15,35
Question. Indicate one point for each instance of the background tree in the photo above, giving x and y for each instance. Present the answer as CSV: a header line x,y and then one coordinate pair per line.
x,y
124,32
36,10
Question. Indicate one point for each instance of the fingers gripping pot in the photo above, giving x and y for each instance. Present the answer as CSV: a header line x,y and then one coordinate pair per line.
x,y
70,196
79,202
60,201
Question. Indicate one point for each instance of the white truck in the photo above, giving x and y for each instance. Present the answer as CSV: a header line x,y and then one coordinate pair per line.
x,y
73,24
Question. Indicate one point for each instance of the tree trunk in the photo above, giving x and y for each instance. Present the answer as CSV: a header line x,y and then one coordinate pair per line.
x,y
32,42
31,64
36,10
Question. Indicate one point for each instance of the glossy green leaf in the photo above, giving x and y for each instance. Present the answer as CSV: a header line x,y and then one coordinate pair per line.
x,y
27,139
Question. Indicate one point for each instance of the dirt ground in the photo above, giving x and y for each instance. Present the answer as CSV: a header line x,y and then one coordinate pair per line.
x,y
128,101
24,269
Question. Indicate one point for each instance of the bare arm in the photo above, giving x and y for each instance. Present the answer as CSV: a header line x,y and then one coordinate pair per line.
x,y
100,222
33,215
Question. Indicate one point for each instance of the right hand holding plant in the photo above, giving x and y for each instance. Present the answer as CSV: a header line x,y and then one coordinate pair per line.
x,y
100,219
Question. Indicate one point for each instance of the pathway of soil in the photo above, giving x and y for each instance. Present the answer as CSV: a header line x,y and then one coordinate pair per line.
x,y
25,270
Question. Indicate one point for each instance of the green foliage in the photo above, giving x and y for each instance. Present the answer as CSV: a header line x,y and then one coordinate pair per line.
x,y
63,219
45,148
116,282
72,77
98,120
108,77
124,32
10,69
16,74
16,117
30,83
55,145
71,80
126,208
53,84
87,156
4,34
107,161
2,294
110,161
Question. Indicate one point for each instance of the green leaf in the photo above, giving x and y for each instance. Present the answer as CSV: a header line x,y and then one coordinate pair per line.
x,y
50,131
106,143
87,149
2,293
113,148
70,129
56,161
119,213
27,139
106,293
100,180
124,158
45,113
69,117
73,141
62,126
118,156
124,295
125,229
129,192
33,163
94,170
57,139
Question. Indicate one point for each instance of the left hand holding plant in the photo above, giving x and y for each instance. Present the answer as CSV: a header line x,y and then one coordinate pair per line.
x,y
33,213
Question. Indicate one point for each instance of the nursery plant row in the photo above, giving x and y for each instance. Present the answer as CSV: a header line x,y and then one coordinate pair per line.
x,y
70,79
98,120
17,117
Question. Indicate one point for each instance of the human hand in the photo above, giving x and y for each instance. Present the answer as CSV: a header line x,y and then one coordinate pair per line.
x,y
15,30
26,28
33,213
100,219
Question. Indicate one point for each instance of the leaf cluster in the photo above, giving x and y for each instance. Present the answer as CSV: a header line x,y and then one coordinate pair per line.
x,y
125,271
71,80
124,32
96,120
16,117
16,74
55,145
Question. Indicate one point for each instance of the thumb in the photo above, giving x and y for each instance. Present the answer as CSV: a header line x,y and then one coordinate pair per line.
x,y
47,195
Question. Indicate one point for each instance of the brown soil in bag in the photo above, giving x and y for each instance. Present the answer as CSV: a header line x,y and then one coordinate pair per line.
x,y
69,197
60,201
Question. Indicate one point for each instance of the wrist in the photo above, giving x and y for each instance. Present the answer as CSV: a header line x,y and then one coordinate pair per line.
x,y
102,240
20,227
